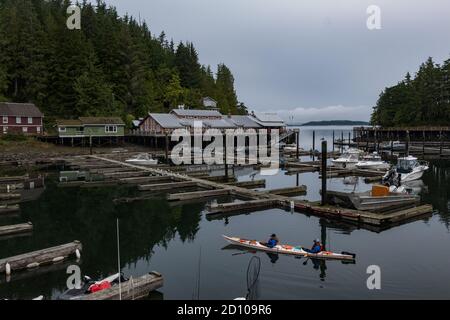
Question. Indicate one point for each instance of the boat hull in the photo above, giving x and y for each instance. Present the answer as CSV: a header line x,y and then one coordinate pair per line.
x,y
286,249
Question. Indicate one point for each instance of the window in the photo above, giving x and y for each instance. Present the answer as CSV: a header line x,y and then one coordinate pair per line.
x,y
18,120
25,129
30,120
111,129
62,129
5,129
38,129
5,119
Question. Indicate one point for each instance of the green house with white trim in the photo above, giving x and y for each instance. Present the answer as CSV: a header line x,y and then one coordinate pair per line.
x,y
85,127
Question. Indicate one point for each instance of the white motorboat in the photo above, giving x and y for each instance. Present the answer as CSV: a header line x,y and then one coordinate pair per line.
x,y
142,159
373,161
348,159
394,145
407,169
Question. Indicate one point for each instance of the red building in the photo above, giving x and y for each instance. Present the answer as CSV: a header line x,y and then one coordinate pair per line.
x,y
23,118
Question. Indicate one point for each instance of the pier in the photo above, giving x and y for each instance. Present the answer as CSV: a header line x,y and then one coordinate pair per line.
x,y
255,200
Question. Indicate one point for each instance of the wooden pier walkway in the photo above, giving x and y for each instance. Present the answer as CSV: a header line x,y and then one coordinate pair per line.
x,y
257,200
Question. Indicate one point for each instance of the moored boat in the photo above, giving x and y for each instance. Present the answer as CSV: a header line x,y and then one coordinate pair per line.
x,y
372,161
348,159
287,249
142,159
89,286
407,169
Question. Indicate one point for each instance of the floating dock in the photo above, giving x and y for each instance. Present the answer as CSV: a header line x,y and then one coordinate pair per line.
x,y
132,289
40,257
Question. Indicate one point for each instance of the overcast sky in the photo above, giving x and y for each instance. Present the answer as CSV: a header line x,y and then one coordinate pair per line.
x,y
315,59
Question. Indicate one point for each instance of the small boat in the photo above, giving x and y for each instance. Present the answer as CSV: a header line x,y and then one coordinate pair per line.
x,y
394,146
348,159
143,159
407,169
90,286
373,161
373,201
287,249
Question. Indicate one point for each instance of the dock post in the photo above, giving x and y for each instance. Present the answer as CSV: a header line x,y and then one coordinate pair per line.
x,y
440,143
423,143
349,139
90,145
342,141
297,142
407,142
167,149
333,140
314,144
225,157
324,172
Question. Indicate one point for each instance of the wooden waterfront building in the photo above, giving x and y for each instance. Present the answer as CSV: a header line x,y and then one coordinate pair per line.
x,y
24,118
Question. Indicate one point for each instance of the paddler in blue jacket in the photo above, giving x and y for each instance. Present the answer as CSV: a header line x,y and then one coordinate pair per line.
x,y
316,248
273,241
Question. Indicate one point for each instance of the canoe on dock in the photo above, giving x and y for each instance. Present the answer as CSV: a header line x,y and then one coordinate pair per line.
x,y
287,249
40,257
132,289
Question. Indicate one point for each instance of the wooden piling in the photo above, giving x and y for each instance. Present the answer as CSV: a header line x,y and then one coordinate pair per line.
x,y
324,172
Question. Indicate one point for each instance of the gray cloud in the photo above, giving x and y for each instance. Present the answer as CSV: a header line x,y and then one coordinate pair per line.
x,y
290,53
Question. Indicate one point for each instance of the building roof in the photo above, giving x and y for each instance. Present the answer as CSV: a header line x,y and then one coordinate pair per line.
x,y
244,121
69,122
166,120
101,120
209,98
82,121
267,119
19,110
196,113
219,123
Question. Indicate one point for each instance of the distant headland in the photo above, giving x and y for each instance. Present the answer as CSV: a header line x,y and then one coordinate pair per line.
x,y
332,123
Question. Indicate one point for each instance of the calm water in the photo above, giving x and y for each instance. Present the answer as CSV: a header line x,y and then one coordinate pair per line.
x,y
180,242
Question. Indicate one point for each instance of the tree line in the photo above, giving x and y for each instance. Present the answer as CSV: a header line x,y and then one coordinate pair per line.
x,y
417,101
112,66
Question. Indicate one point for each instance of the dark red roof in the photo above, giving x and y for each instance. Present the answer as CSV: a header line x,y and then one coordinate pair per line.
x,y
19,109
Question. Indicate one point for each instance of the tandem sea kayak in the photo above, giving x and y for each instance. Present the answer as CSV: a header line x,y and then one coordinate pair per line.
x,y
287,249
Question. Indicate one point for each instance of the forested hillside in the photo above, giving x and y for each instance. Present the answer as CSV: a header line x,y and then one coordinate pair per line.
x,y
420,100
112,66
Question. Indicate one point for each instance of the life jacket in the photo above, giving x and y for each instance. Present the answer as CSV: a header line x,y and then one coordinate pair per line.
x,y
99,286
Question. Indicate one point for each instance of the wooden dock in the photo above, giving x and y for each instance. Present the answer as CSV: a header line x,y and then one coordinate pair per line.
x,y
40,257
16,229
133,289
256,200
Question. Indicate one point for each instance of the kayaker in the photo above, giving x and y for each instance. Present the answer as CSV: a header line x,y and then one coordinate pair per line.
x,y
316,247
273,241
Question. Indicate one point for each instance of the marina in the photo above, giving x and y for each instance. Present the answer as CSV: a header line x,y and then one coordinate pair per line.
x,y
211,204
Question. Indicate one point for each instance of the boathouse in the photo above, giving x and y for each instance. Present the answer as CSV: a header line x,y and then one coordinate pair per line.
x,y
210,103
91,127
24,118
